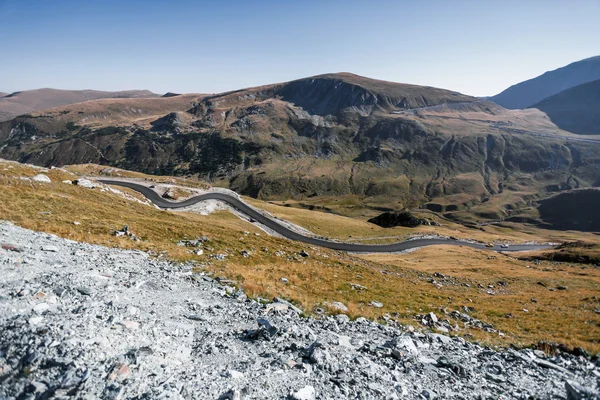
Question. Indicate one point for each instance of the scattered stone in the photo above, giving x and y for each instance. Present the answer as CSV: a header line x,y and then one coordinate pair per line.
x,y
403,346
304,253
130,324
41,178
60,291
575,391
35,320
10,247
234,374
41,308
306,393
376,304
279,300
562,288
158,329
50,248
317,354
231,394
433,317
85,291
548,364
86,183
344,341
337,306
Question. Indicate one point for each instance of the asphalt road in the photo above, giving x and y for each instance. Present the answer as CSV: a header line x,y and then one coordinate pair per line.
x,y
285,232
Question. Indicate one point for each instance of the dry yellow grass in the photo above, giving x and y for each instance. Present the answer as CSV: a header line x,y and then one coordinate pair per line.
x,y
106,171
398,281
565,316
359,230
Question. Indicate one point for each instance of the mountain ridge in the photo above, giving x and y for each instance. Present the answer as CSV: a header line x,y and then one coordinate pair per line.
x,y
385,145
529,92
26,101
575,109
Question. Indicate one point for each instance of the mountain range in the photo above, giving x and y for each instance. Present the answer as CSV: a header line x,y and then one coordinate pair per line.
x,y
329,140
18,103
532,91
576,109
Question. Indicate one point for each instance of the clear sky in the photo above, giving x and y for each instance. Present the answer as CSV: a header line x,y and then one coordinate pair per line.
x,y
477,47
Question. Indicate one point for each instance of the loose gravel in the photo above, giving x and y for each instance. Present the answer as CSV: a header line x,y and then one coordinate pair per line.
x,y
86,321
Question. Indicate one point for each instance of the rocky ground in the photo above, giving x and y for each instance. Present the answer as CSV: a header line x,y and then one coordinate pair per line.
x,y
92,322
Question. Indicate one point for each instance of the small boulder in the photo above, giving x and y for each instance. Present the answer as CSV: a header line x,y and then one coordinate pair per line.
x,y
337,306
304,253
306,393
86,183
41,178
403,346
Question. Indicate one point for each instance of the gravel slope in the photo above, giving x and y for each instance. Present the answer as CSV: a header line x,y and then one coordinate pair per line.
x,y
92,322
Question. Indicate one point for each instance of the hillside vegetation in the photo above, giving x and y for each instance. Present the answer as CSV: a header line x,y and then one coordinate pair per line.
x,y
382,145
493,288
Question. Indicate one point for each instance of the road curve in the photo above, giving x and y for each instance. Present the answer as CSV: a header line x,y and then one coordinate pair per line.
x,y
288,233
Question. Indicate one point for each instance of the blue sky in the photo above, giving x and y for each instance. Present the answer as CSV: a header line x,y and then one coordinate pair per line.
x,y
475,47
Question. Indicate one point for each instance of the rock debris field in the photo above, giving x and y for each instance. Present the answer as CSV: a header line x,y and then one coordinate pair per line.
x,y
86,321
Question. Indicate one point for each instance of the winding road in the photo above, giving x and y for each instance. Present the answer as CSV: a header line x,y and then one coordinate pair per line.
x,y
290,234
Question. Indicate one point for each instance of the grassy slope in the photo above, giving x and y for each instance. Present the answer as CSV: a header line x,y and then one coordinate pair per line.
x,y
357,229
398,281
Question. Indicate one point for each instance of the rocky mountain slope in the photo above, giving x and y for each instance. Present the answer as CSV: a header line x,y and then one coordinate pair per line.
x,y
94,322
19,103
392,145
576,109
532,91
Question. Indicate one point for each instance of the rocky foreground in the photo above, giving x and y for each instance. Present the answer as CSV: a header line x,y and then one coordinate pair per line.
x,y
92,322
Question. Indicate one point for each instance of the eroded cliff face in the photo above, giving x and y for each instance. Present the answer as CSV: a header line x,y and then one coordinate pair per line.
x,y
331,135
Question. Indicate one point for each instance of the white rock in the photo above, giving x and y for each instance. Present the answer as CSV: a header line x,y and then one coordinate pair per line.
x,y
86,183
306,393
50,248
433,317
404,346
40,308
35,320
76,223
344,341
337,306
68,182
130,324
235,374
41,178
